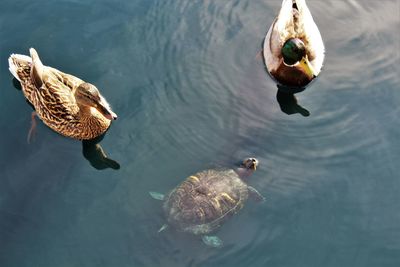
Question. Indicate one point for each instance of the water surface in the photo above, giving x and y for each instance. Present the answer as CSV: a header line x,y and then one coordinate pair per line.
x,y
190,94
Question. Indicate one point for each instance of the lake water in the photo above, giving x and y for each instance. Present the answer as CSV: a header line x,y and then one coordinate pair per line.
x,y
190,93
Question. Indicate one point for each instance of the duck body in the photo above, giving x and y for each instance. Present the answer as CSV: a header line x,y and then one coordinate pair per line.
x,y
65,103
293,25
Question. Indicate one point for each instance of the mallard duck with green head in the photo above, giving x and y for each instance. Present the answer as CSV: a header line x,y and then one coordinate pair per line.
x,y
65,103
293,49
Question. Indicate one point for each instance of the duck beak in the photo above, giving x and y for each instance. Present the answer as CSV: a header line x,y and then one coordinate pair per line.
x,y
306,67
110,115
104,108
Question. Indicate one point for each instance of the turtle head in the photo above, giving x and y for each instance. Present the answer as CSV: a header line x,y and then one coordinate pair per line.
x,y
250,164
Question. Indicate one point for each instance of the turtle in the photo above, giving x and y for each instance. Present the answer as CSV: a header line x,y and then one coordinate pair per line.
x,y
206,199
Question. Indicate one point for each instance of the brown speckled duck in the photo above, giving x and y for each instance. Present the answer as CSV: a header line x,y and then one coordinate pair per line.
x,y
293,48
65,103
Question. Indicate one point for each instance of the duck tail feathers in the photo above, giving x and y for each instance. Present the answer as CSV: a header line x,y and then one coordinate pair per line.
x,y
16,61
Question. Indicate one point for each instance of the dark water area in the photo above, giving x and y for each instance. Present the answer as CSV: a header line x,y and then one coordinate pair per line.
x,y
190,94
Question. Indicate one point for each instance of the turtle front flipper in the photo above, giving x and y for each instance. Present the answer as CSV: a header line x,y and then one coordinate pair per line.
x,y
212,241
165,226
254,194
157,195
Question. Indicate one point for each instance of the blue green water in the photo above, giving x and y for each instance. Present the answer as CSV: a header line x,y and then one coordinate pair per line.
x,y
190,93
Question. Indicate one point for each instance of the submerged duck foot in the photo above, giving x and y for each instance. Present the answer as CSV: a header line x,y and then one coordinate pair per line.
x,y
32,130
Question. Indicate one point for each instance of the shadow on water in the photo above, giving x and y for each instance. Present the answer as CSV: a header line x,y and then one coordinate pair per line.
x,y
94,153
288,103
91,149
16,84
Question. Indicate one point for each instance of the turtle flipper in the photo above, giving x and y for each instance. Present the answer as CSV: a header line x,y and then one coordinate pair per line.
x,y
212,241
165,226
157,195
255,194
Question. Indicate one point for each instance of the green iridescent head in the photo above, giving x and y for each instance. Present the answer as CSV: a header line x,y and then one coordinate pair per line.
x,y
293,51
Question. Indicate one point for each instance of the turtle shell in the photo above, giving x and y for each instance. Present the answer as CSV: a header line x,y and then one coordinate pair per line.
x,y
204,200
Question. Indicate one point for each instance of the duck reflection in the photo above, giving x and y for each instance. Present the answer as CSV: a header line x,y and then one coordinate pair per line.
x,y
288,102
91,149
17,85
94,153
